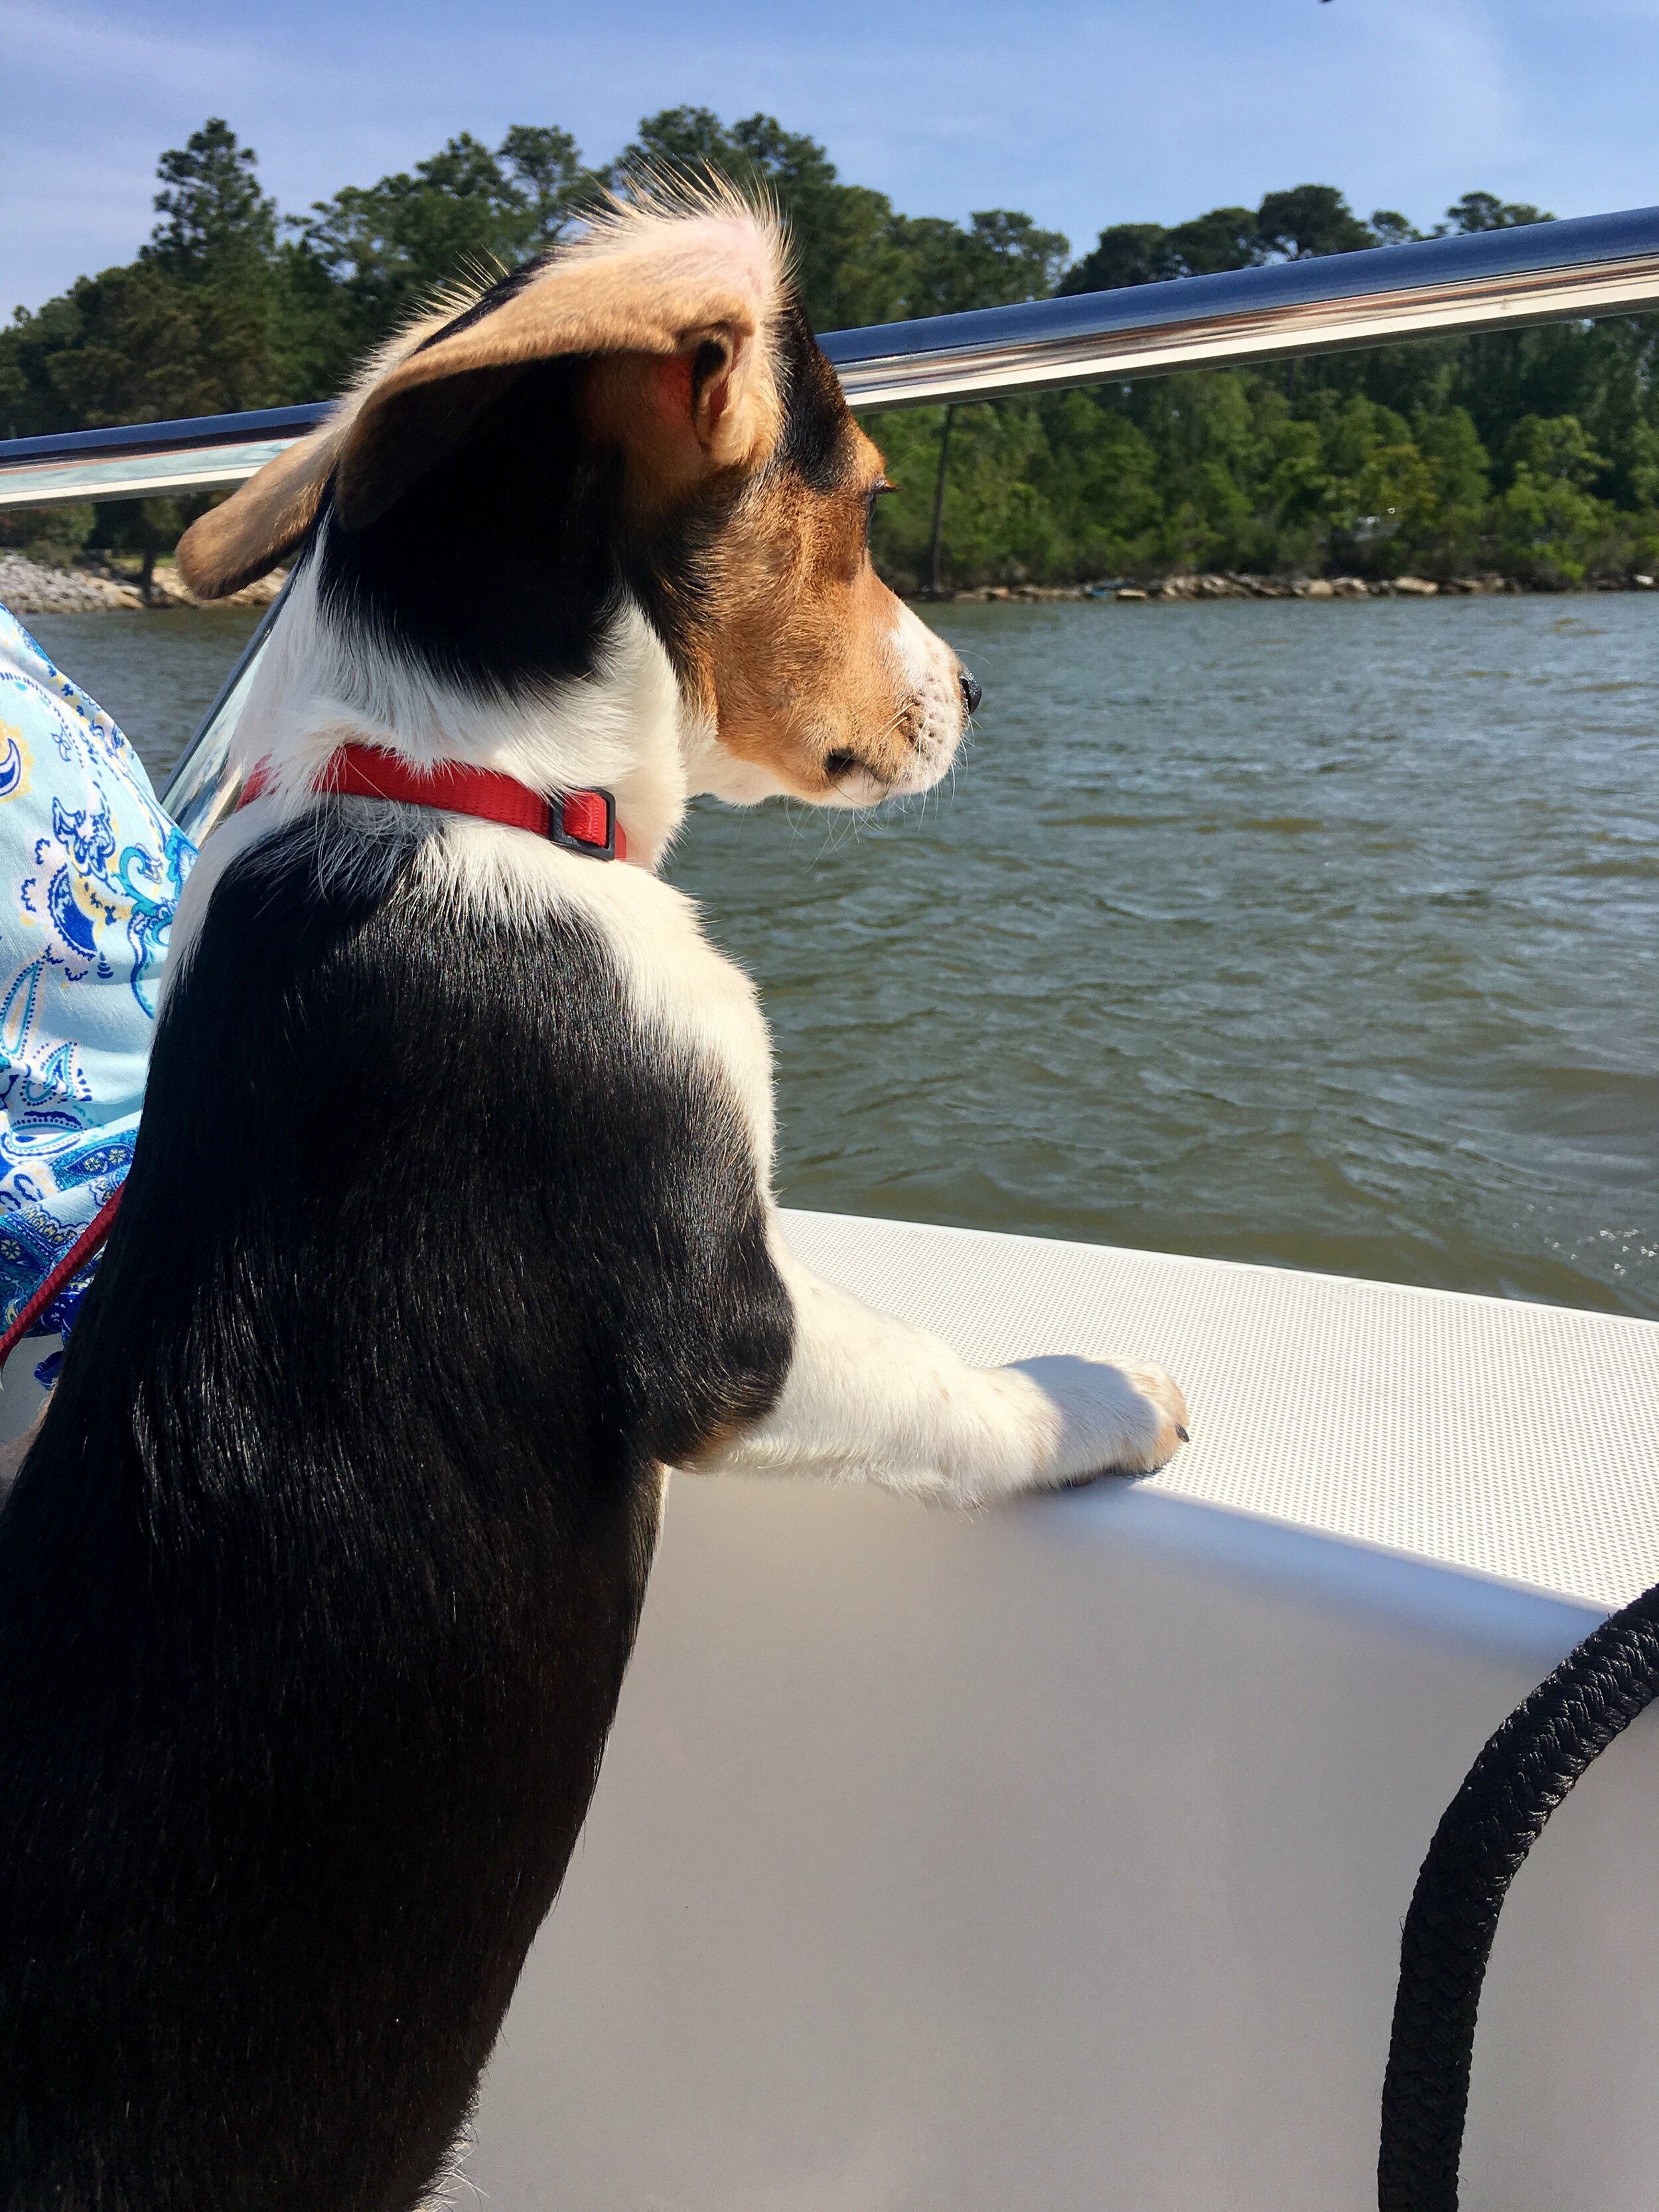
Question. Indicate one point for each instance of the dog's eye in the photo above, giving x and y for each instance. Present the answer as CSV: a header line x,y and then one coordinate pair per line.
x,y
870,499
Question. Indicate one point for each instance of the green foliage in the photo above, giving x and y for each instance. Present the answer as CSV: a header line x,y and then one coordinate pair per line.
x,y
53,535
849,266
855,260
362,263
1291,226
1534,453
1389,227
218,227
1548,516
546,167
1000,259
1486,211
1147,253
135,345
1309,220
1236,471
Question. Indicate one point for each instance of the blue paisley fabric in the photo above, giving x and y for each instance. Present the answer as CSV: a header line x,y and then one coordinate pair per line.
x,y
90,873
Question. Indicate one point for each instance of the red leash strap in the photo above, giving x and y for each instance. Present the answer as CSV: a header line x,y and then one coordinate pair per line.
x,y
86,1244
581,821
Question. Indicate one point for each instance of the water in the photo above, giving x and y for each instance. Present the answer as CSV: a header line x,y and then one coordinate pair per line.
x,y
157,674
1321,935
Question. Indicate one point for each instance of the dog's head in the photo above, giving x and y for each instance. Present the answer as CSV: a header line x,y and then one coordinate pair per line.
x,y
640,420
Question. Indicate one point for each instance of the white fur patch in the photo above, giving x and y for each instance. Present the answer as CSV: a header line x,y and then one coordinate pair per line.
x,y
870,1399
700,236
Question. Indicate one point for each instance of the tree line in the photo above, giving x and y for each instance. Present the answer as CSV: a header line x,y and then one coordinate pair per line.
x,y
1533,454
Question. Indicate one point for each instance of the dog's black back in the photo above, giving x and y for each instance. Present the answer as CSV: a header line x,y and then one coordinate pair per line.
x,y
317,1590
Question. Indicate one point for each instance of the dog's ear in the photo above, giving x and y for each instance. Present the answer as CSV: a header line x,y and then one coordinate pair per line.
x,y
263,521
674,311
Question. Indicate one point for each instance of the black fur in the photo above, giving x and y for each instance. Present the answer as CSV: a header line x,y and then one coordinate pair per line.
x,y
813,440
317,1589
501,568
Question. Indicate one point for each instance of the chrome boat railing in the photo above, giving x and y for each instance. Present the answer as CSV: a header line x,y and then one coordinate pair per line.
x,y
1593,265
1603,265
147,461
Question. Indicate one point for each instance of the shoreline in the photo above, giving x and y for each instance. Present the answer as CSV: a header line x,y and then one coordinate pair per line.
x,y
1187,585
33,587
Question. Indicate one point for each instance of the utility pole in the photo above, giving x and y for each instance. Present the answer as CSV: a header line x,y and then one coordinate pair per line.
x,y
939,504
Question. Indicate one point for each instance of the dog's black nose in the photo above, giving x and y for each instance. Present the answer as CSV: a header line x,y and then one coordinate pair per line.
x,y
971,692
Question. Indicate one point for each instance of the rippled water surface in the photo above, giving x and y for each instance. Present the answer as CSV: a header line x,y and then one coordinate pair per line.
x,y
157,674
1324,935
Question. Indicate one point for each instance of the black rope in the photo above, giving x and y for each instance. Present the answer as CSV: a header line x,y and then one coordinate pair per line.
x,y
1508,1794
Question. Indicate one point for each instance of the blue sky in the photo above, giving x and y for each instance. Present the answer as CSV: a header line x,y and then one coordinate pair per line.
x,y
1083,114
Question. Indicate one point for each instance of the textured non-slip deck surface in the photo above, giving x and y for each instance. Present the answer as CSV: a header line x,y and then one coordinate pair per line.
x,y
1519,1441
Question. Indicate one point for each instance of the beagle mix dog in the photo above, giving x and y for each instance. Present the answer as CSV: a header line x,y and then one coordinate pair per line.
x,y
450,1229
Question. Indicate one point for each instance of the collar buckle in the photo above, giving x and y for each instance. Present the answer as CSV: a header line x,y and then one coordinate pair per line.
x,y
585,822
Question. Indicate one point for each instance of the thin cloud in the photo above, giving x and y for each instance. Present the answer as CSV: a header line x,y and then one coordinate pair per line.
x,y
1091,113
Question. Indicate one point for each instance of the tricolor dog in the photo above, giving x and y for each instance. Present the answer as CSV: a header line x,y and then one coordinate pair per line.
x,y
450,1229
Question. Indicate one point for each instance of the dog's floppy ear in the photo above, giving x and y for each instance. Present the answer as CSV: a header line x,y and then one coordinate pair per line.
x,y
263,521
674,308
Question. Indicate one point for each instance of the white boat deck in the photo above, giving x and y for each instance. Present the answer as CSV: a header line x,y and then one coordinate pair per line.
x,y
1518,1440
1053,1859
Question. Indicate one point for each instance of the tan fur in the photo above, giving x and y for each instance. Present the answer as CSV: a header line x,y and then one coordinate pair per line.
x,y
792,659
701,285
799,659
260,524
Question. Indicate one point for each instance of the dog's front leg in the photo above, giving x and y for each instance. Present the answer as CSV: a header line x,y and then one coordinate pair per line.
x,y
875,1400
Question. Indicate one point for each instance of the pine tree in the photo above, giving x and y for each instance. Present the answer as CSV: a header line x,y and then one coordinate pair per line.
x,y
217,225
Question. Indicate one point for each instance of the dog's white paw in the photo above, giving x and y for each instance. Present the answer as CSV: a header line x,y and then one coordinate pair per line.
x,y
1126,1419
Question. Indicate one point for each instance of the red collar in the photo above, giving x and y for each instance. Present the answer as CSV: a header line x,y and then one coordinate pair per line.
x,y
580,821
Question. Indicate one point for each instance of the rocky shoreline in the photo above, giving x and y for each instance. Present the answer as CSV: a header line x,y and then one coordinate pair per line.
x,y
1235,587
31,587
